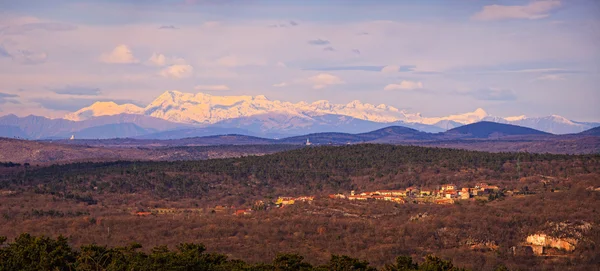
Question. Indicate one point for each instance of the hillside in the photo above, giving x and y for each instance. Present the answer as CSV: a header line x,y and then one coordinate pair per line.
x,y
117,130
24,151
487,129
591,132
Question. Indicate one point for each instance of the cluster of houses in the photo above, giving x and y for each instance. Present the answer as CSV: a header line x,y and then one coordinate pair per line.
x,y
446,194
283,201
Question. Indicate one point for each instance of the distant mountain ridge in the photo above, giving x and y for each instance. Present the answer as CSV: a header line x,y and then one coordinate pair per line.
x,y
262,115
36,127
175,115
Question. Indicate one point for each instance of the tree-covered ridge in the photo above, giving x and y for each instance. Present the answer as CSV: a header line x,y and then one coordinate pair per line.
x,y
28,252
307,170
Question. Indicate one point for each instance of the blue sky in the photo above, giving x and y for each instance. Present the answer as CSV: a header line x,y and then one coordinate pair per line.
x,y
435,57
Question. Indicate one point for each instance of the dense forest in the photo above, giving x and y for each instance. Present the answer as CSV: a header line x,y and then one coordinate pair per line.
x,y
41,253
95,203
306,171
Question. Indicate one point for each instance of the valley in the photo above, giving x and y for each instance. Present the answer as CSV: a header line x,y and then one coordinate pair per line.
x,y
116,203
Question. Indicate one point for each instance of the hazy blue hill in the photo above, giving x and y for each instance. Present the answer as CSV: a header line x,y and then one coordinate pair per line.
x,y
341,138
195,132
117,130
591,132
11,131
486,129
36,127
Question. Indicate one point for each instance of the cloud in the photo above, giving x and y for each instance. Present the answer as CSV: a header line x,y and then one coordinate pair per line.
x,y
323,80
534,10
329,49
8,95
177,71
235,61
318,42
76,90
347,68
356,51
404,85
157,60
293,23
390,69
8,98
120,55
212,87
27,57
280,85
30,57
28,27
397,68
493,94
551,77
4,52
168,27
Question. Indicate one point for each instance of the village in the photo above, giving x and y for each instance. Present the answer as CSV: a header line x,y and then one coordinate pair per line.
x,y
444,194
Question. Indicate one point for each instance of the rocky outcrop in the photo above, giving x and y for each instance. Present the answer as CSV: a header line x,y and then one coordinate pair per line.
x,y
540,241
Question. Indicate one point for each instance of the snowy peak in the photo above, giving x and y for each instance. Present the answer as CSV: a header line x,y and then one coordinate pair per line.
x,y
103,109
515,118
206,109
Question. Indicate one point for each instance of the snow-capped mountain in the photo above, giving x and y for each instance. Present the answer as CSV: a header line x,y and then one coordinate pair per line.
x,y
203,108
273,115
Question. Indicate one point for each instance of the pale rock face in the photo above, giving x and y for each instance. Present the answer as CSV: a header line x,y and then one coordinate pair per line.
x,y
540,239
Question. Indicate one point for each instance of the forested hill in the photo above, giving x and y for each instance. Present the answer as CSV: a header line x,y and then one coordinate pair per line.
x,y
485,129
311,170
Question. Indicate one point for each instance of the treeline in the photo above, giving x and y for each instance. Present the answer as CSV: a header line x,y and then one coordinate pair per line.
x,y
307,170
9,164
42,253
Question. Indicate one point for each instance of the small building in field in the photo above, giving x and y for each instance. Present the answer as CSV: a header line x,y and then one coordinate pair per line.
x,y
143,213
243,212
448,187
424,193
444,201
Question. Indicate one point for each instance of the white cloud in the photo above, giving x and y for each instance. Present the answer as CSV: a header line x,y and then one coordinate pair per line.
x,y
177,71
282,84
212,87
551,77
280,64
236,61
160,60
534,10
323,80
390,69
120,55
157,60
404,85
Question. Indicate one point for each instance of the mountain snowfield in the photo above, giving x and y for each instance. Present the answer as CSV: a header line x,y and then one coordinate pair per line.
x,y
273,115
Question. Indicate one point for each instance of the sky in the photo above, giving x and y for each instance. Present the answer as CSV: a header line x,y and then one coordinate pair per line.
x,y
437,57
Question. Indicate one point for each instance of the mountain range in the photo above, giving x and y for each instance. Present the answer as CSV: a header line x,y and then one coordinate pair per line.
x,y
480,136
176,114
